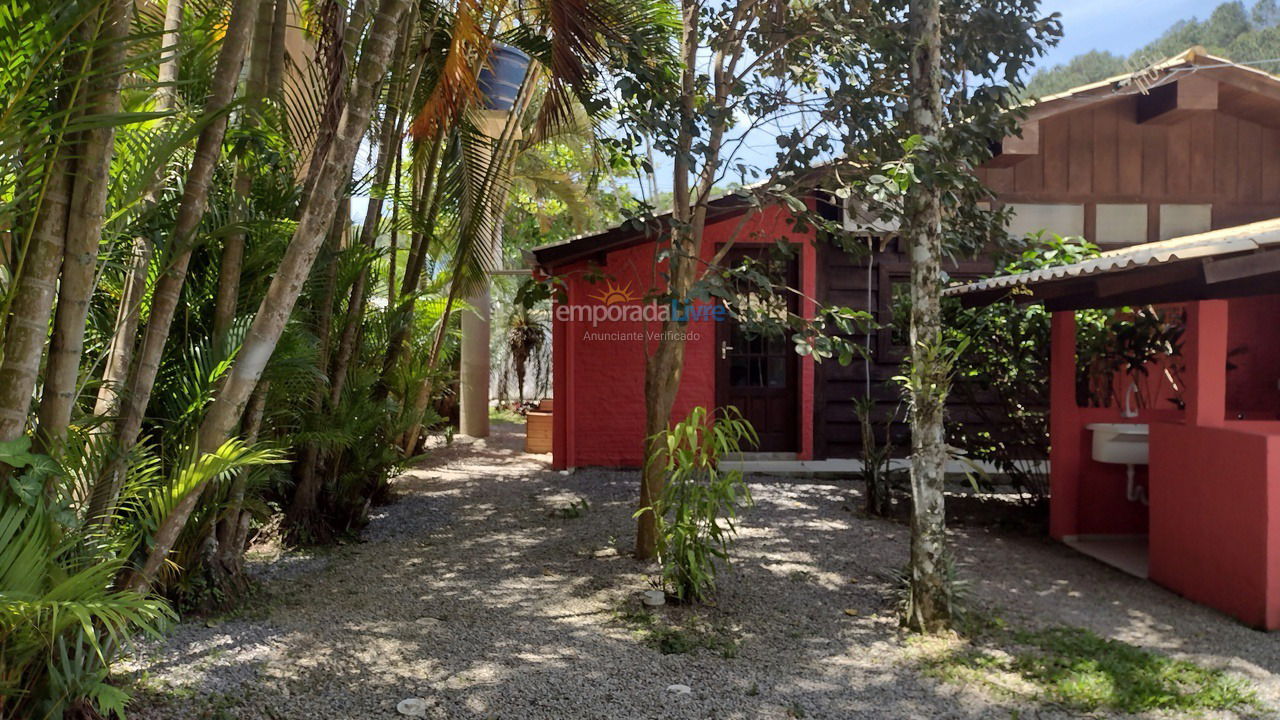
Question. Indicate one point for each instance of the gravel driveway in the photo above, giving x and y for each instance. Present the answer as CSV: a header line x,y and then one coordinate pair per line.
x,y
475,592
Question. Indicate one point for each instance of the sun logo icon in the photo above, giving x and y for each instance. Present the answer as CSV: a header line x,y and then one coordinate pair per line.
x,y
613,294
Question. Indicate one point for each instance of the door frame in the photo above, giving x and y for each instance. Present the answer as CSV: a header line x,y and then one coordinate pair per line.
x,y
795,370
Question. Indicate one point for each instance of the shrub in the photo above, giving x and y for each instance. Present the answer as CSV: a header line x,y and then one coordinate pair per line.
x,y
1001,379
698,506
63,616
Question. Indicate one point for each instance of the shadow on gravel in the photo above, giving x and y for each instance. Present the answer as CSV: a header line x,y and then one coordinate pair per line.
x,y
474,592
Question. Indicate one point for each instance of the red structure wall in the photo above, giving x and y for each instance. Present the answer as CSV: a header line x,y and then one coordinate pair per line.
x,y
598,374
1213,522
1213,535
1253,351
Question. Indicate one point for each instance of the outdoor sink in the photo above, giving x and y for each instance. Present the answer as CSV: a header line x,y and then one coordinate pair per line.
x,y
1123,443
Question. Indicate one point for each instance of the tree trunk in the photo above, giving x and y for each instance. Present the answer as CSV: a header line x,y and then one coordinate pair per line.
x,y
276,61
335,244
28,306
28,322
233,528
232,261
663,368
929,609
83,232
423,396
368,236
286,285
662,372
414,262
124,333
167,73
301,518
389,151
164,301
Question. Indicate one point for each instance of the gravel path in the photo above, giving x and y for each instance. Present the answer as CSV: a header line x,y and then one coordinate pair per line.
x,y
475,594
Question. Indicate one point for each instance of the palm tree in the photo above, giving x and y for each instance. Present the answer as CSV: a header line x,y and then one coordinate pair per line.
x,y
526,335
286,286
191,209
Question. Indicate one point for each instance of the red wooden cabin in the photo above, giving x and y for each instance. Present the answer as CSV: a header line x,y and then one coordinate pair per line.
x,y
1190,145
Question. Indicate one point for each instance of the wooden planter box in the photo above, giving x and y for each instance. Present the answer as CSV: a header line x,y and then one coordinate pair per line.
x,y
537,438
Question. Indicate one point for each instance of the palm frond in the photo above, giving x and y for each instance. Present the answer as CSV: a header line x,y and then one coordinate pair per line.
x,y
457,85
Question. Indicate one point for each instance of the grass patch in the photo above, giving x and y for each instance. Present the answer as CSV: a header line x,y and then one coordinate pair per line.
x,y
1076,669
505,415
671,637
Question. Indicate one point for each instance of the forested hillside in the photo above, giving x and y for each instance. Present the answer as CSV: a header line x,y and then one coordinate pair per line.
x,y
1234,30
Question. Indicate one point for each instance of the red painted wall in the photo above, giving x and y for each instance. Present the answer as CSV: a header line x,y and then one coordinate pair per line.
x,y
1087,497
1254,350
1215,508
1213,522
599,371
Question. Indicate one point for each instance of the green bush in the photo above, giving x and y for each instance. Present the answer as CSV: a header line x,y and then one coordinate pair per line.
x,y
698,506
1001,379
63,616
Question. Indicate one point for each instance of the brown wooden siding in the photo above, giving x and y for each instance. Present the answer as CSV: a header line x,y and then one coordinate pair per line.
x,y
1100,154
1097,154
844,280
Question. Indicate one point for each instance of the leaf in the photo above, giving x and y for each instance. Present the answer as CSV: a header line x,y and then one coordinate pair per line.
x,y
16,452
26,487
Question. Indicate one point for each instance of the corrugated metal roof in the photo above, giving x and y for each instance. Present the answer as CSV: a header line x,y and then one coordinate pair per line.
x,y
1215,243
1142,81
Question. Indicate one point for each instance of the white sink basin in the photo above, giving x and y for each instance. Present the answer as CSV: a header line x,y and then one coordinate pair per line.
x,y
1122,443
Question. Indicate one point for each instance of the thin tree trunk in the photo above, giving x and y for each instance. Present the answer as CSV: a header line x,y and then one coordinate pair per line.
x,y
124,333
164,301
286,285
167,73
368,236
301,516
396,174
234,525
415,261
663,368
423,396
275,64
232,261
28,325
334,244
392,250
335,61
301,519
350,331
929,609
83,232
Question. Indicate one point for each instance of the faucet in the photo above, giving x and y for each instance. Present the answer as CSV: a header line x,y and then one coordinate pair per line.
x,y
1130,409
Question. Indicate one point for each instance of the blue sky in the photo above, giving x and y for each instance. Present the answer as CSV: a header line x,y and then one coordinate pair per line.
x,y
1117,25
